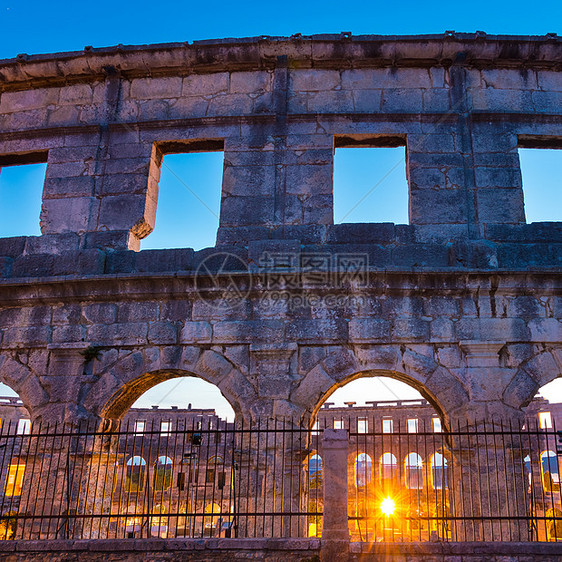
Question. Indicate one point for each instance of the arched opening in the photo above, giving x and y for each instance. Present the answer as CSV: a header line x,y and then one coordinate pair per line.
x,y
399,443
388,469
17,467
170,390
376,391
539,463
439,477
163,473
14,478
413,476
211,519
315,471
135,474
550,471
363,470
176,445
315,494
14,416
159,522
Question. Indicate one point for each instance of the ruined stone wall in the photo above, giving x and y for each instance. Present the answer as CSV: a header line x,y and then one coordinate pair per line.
x,y
272,550
464,302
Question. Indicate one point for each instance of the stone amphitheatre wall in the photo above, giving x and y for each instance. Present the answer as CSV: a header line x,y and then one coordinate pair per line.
x,y
464,302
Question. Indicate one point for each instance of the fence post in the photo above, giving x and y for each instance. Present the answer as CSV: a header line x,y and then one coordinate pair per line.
x,y
335,528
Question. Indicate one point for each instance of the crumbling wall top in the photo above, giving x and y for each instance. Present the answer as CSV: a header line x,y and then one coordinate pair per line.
x,y
252,53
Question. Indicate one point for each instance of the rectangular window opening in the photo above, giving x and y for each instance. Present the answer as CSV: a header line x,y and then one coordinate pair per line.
x,y
165,427
541,162
338,424
413,425
140,426
437,425
545,420
24,426
21,193
370,182
387,426
362,425
315,428
189,195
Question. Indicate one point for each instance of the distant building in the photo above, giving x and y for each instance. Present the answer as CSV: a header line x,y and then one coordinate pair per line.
x,y
174,466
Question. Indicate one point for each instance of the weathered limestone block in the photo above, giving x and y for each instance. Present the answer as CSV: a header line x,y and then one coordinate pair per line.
x,y
71,214
314,385
196,332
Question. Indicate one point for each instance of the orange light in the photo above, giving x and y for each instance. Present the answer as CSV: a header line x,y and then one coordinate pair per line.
x,y
388,506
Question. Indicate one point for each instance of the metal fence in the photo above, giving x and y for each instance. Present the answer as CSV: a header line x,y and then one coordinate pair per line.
x,y
269,480
154,481
488,483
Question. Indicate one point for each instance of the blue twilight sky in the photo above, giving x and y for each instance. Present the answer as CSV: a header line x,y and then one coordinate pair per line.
x,y
369,184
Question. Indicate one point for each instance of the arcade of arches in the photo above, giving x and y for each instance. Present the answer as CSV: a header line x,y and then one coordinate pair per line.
x,y
463,303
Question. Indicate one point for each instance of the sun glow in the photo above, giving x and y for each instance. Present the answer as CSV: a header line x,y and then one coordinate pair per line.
x,y
388,506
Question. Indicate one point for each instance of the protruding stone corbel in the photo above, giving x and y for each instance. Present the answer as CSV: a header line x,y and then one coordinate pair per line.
x,y
272,365
482,353
66,364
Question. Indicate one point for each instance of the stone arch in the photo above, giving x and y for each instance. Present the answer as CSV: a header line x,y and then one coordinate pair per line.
x,y
24,381
421,371
122,381
532,374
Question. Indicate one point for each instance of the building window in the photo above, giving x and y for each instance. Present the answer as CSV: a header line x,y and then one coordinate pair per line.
x,y
545,420
133,523
210,476
439,471
24,426
363,470
388,466
527,461
140,426
21,194
211,519
338,424
190,182
193,476
540,174
387,426
549,469
159,522
14,480
370,183
163,473
135,474
314,429
413,425
315,471
165,427
437,428
362,425
414,471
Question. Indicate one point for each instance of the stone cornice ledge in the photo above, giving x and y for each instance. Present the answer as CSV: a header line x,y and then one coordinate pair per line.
x,y
319,51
